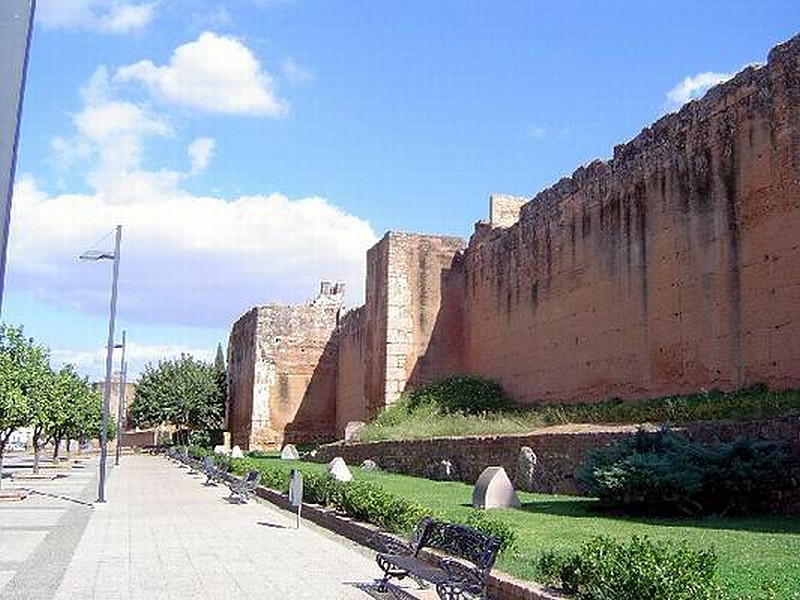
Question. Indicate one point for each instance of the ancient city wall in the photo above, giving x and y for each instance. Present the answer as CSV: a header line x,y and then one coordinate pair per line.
x,y
673,267
241,377
424,320
413,314
350,405
375,332
282,372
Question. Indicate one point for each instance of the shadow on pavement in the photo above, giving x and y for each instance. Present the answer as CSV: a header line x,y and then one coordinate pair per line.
x,y
371,589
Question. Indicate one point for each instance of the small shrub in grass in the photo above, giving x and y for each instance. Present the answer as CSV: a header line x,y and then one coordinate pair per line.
x,y
258,454
478,519
640,569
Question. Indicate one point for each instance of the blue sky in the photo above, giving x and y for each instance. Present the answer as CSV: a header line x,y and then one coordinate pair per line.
x,y
250,148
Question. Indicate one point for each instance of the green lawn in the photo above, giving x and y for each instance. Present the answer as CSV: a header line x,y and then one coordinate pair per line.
x,y
759,557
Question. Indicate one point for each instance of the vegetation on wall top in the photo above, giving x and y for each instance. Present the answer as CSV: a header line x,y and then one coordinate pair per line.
x,y
472,406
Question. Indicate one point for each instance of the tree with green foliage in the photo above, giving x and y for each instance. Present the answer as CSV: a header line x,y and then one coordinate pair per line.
x,y
23,366
46,407
221,374
90,422
79,409
182,392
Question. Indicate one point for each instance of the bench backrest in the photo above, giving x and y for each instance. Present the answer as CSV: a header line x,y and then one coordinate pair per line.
x,y
252,477
463,542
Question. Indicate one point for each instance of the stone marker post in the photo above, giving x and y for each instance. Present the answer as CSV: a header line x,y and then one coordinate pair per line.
x,y
296,493
494,490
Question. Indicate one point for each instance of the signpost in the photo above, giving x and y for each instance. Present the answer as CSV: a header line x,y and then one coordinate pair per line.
x,y
296,493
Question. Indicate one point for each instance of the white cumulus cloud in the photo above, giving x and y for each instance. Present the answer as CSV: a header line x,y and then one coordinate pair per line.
x,y
136,355
694,87
214,73
110,138
200,152
106,16
185,259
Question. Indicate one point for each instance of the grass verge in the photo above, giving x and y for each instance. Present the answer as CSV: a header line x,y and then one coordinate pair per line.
x,y
758,556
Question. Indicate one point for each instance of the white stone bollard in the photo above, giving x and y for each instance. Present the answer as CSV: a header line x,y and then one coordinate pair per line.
x,y
494,490
338,469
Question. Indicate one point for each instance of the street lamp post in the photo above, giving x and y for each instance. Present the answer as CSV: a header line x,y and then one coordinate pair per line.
x,y
16,24
99,255
123,368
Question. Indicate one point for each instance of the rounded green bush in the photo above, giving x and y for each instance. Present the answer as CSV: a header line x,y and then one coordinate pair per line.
x,y
639,569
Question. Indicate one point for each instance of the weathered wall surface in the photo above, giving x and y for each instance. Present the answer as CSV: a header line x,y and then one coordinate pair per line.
x,y
139,439
423,332
558,453
413,314
504,209
376,310
350,384
282,373
241,378
673,267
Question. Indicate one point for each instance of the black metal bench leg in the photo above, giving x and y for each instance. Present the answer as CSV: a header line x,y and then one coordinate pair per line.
x,y
382,584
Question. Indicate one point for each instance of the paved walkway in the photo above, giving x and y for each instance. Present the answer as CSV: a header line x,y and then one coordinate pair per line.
x,y
164,535
39,534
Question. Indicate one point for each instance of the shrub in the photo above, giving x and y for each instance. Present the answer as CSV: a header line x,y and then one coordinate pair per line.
x,y
320,489
478,519
370,502
667,472
361,500
641,569
197,451
460,394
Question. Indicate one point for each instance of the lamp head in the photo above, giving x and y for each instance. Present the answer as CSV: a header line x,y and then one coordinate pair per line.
x,y
97,255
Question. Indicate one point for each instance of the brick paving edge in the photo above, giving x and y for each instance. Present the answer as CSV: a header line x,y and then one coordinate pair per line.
x,y
501,585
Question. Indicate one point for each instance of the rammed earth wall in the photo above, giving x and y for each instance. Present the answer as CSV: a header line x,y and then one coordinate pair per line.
x,y
672,267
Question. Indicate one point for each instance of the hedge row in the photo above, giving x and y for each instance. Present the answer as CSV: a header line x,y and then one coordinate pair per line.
x,y
362,500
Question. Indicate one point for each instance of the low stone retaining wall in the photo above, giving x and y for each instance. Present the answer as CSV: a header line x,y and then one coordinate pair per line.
x,y
501,585
556,452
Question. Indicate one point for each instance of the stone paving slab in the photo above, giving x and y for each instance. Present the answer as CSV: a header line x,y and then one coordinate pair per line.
x,y
165,535
38,535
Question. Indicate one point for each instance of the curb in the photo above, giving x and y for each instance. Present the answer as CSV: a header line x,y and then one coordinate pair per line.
x,y
501,585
